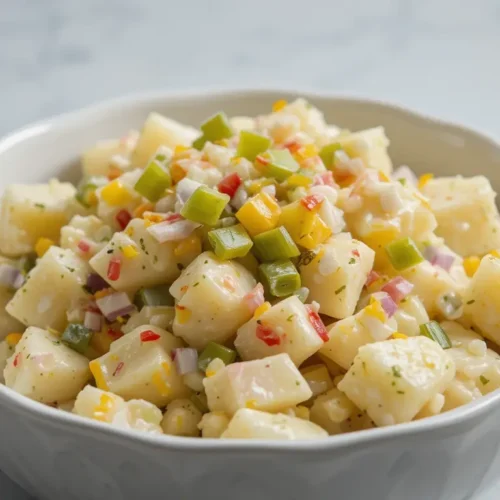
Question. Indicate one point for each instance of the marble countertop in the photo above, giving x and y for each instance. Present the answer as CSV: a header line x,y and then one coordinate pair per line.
x,y
436,56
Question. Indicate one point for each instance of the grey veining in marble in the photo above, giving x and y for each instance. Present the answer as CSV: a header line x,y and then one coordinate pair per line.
x,y
438,56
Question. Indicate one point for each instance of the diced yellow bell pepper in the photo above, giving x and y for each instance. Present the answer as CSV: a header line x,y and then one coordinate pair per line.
x,y
191,245
470,265
116,194
400,336
42,245
177,173
305,152
279,105
424,179
306,227
299,180
256,186
377,241
130,252
100,381
261,310
495,253
260,213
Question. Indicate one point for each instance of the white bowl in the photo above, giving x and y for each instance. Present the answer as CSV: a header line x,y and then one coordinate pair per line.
x,y
55,455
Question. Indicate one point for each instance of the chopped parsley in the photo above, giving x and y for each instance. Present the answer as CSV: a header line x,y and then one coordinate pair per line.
x,y
196,284
41,206
470,302
483,380
339,290
352,260
180,266
290,317
396,371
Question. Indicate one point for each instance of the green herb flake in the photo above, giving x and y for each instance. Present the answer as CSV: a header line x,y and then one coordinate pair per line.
x,y
396,371
483,380
340,290
41,206
352,260
290,317
470,302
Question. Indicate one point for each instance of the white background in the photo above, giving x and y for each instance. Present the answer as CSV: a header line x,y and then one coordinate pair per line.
x,y
436,56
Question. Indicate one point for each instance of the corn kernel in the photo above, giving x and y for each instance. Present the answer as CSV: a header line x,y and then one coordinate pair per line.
x,y
42,245
299,180
260,213
470,265
305,152
143,207
191,244
375,309
96,370
397,335
130,252
256,186
382,177
116,194
424,179
261,310
279,105
160,384
129,231
182,314
251,403
13,339
106,402
180,149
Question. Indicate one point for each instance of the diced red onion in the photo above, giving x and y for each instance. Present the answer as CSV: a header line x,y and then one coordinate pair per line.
x,y
398,288
430,252
114,305
443,260
10,276
172,231
95,283
93,321
388,305
255,298
371,278
270,190
186,360
324,179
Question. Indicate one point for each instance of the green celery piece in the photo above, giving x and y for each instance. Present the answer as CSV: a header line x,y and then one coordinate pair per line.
x,y
433,331
252,144
281,164
403,254
200,142
279,278
212,351
153,181
158,295
205,206
327,154
77,337
217,127
276,244
230,242
200,401
84,190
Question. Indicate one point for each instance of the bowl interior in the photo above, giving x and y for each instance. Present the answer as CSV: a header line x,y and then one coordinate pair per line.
x,y
52,148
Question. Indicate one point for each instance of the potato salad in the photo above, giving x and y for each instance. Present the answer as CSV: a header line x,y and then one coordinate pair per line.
x,y
270,278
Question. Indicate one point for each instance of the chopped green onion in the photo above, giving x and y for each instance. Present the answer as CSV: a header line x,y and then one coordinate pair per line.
x,y
153,296
26,263
433,330
205,206
84,192
327,154
276,244
77,337
230,242
252,144
217,127
199,399
153,181
277,163
212,351
280,278
403,254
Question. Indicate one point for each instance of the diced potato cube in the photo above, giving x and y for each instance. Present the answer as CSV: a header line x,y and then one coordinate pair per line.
x,y
431,284
285,327
392,380
160,316
348,335
98,404
161,131
112,409
210,305
331,410
213,424
370,145
90,229
156,263
6,351
28,213
8,324
269,384
482,299
44,369
467,216
460,391
318,378
96,160
53,287
410,315
252,424
240,123
336,275
181,418
137,369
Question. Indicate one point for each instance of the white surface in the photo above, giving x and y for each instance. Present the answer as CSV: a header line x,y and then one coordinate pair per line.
x,y
437,56
438,459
